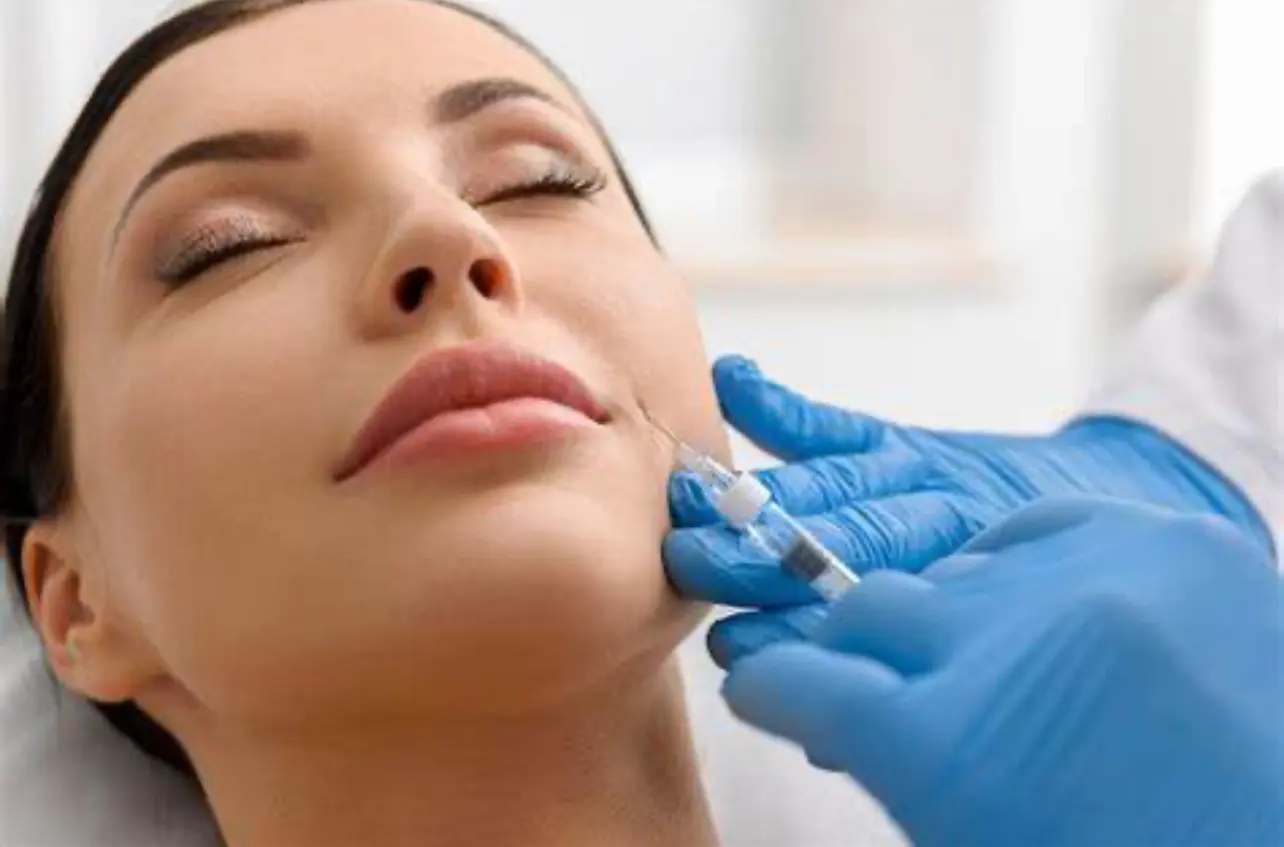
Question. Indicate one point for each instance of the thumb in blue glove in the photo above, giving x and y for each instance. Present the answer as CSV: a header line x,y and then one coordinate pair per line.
x,y
1087,673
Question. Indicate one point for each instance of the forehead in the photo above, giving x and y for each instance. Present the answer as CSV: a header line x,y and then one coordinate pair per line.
x,y
337,63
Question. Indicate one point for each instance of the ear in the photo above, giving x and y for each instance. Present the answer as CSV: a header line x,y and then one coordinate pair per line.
x,y
92,654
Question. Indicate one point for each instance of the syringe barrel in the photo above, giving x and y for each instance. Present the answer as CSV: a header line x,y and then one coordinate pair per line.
x,y
800,553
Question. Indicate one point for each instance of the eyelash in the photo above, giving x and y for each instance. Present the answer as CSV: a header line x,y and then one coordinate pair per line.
x,y
560,180
213,246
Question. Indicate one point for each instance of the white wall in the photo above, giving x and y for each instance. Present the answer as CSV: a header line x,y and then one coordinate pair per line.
x,y
1243,94
655,71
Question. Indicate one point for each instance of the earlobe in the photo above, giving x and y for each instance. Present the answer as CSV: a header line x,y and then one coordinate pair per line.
x,y
89,655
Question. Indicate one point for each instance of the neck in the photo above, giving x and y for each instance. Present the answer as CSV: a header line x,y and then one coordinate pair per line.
x,y
617,768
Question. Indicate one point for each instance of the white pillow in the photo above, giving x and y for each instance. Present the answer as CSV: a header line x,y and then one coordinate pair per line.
x,y
67,778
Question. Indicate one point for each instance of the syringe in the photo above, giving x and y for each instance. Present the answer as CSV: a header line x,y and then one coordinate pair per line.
x,y
747,506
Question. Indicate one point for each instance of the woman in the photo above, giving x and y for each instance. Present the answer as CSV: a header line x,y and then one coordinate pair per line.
x,y
326,344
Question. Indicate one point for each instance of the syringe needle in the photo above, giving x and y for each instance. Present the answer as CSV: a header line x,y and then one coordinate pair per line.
x,y
659,427
704,466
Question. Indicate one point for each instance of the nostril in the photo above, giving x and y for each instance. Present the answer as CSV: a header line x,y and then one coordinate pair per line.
x,y
413,287
487,276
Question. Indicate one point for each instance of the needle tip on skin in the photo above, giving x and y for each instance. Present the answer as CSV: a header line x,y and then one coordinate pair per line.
x,y
658,427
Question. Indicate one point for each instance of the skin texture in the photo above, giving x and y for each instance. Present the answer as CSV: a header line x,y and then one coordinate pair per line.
x,y
397,657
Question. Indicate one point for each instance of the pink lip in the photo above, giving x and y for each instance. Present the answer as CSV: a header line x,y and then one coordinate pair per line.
x,y
474,397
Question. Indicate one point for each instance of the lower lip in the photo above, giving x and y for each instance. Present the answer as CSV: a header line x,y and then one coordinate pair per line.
x,y
523,422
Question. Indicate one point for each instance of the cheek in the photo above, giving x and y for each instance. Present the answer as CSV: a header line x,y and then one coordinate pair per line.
x,y
197,440
640,317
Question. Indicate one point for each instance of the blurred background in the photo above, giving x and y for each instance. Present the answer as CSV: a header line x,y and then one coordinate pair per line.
x,y
944,211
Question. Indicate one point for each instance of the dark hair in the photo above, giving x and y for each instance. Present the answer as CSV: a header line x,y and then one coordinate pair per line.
x,y
35,471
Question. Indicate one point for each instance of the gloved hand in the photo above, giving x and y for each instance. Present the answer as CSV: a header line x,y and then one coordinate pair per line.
x,y
1086,674
886,496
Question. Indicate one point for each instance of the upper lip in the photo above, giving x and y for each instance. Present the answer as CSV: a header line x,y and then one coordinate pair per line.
x,y
464,377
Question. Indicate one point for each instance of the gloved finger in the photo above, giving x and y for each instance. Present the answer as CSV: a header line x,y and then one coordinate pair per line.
x,y
689,503
785,423
1044,532
823,485
716,564
1037,522
955,566
848,713
905,533
894,618
830,704
810,487
733,638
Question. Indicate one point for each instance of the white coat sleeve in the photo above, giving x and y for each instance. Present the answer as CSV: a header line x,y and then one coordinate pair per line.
x,y
1205,365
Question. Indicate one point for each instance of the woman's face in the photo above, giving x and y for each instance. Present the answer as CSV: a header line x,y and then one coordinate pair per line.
x,y
397,180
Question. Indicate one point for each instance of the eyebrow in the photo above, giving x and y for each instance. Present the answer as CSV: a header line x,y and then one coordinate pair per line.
x,y
242,146
455,104
461,102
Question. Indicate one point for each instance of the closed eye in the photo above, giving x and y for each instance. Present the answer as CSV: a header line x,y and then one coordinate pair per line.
x,y
561,181
215,245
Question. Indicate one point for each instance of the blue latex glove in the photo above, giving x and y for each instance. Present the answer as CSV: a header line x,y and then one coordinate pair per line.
x,y
1087,674
886,496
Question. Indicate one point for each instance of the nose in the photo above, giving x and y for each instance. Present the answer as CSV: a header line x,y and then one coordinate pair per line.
x,y
438,261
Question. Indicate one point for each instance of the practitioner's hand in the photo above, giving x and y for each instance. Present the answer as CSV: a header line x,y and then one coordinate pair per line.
x,y
1086,674
887,496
